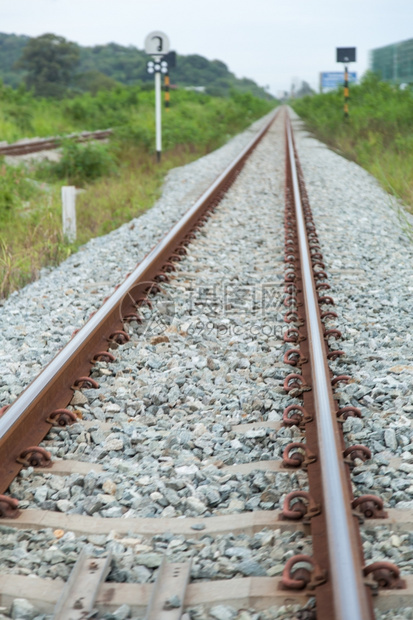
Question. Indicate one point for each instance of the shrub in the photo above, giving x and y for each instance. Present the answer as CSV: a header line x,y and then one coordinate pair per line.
x,y
83,162
14,190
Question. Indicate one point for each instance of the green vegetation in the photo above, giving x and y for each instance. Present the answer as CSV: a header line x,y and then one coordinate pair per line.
x,y
15,191
80,163
11,48
378,135
32,61
50,62
120,178
127,109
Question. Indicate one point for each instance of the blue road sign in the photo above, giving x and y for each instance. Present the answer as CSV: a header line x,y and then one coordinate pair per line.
x,y
333,79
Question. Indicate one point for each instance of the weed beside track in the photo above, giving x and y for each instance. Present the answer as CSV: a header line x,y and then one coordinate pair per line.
x,y
378,134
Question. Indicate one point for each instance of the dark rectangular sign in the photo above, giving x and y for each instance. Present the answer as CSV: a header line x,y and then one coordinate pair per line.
x,y
170,58
346,54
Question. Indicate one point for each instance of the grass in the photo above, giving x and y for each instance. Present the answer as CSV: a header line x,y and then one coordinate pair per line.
x,y
32,238
29,240
111,201
378,134
120,180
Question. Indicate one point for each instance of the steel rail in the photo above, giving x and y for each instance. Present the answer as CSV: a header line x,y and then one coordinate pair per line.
x,y
25,421
350,598
46,144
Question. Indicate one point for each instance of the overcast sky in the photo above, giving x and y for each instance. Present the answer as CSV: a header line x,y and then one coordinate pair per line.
x,y
270,41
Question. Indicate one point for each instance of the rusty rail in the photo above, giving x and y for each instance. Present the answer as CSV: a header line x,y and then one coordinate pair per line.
x,y
47,144
343,585
337,566
27,421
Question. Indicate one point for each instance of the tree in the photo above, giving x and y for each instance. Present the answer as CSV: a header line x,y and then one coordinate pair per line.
x,y
93,81
50,62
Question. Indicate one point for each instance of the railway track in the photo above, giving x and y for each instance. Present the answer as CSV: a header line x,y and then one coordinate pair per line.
x,y
225,490
46,144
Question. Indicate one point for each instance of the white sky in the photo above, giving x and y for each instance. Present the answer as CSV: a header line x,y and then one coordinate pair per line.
x,y
270,41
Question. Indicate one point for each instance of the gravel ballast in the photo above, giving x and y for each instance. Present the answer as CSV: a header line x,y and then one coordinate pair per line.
x,y
208,357
205,359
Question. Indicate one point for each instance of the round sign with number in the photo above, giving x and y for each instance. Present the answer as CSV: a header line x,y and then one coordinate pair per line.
x,y
157,43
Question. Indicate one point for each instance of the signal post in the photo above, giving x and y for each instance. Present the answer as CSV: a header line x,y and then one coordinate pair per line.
x,y
346,55
157,46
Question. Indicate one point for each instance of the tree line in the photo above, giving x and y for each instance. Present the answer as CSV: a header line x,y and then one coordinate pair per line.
x,y
51,66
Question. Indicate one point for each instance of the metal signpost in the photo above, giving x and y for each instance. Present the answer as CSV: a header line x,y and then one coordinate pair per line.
x,y
157,46
346,55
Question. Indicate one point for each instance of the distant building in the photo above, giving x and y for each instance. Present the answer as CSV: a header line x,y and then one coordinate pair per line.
x,y
394,63
197,89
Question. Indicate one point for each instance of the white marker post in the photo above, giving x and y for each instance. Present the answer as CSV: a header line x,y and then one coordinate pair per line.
x,y
69,212
157,45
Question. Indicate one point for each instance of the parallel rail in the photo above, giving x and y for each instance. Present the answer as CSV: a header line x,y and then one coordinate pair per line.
x,y
338,577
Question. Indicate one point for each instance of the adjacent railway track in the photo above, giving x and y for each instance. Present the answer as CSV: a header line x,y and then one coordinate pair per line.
x,y
47,144
331,580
